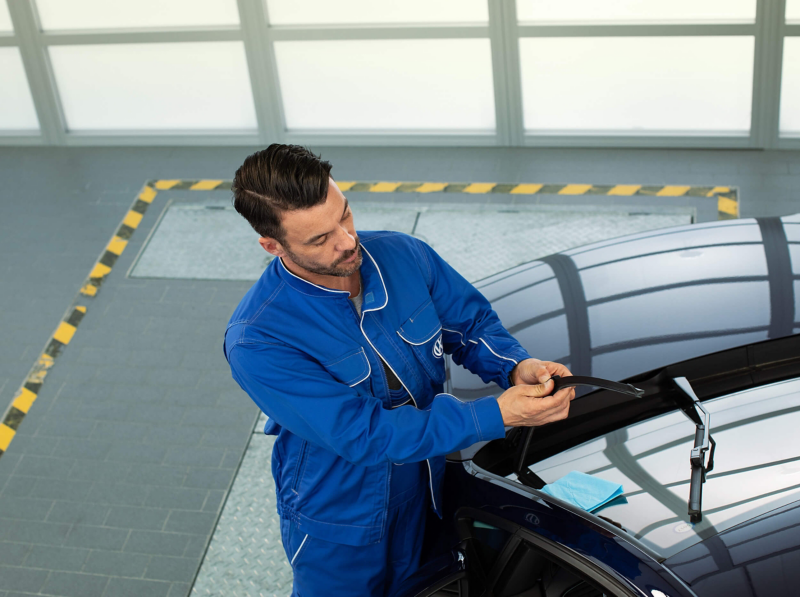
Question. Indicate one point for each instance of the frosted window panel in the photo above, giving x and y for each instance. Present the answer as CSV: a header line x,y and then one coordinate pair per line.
x,y
62,15
5,18
793,11
635,11
790,87
325,12
17,112
175,86
630,85
425,84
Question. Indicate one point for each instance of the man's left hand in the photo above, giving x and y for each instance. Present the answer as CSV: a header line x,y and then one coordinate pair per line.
x,y
534,371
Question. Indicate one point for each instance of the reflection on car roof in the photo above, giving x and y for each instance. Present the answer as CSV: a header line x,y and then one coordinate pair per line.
x,y
628,305
757,466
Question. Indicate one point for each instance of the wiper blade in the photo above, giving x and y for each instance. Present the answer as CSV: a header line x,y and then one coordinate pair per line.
x,y
703,443
525,475
572,381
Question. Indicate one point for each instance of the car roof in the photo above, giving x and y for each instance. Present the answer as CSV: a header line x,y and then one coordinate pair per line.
x,y
715,297
621,307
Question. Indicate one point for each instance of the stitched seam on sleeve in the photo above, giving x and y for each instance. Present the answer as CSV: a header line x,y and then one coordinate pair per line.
x,y
475,418
461,339
268,301
496,352
242,342
253,341
508,355
427,263
381,235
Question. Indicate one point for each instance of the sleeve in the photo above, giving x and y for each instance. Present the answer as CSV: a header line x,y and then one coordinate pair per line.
x,y
471,330
302,396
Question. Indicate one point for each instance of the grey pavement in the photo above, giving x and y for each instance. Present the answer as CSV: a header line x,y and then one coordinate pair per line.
x,y
119,472
246,556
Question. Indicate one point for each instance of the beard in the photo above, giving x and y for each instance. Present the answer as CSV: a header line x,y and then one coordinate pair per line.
x,y
337,268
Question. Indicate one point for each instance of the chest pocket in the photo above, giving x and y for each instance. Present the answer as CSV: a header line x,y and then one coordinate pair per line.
x,y
423,333
351,369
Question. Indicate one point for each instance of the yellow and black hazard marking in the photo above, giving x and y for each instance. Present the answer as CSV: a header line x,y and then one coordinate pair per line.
x,y
191,185
27,394
119,241
727,201
132,220
727,198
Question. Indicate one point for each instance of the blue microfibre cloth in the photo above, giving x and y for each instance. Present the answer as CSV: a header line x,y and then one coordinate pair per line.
x,y
584,491
620,500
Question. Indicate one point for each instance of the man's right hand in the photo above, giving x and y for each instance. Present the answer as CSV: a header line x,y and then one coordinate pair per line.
x,y
530,405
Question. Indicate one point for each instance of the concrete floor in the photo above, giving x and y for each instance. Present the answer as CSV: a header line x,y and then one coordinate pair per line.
x,y
118,473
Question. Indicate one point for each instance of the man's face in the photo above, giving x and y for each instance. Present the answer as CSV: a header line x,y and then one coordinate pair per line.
x,y
322,239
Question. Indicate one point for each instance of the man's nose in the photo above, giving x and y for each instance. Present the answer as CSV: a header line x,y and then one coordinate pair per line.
x,y
347,241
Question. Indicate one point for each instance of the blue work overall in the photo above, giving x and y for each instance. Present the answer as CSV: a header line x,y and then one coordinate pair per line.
x,y
315,368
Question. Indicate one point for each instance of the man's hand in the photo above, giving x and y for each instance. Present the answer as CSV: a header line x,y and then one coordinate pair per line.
x,y
527,402
533,371
530,405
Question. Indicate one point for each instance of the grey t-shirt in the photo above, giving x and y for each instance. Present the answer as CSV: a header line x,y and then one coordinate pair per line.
x,y
357,300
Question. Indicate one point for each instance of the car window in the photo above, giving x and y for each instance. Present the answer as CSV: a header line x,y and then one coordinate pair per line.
x,y
503,564
489,542
530,572
757,460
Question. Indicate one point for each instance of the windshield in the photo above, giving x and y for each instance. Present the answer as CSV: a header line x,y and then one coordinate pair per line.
x,y
757,467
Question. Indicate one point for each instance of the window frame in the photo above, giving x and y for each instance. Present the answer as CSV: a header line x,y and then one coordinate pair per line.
x,y
502,30
606,578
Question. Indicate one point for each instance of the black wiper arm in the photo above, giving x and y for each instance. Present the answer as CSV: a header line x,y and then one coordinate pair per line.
x,y
703,443
525,475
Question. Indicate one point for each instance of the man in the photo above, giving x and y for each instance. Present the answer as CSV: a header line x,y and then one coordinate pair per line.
x,y
341,343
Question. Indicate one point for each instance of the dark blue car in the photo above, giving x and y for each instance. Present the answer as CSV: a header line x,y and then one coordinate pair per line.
x,y
702,319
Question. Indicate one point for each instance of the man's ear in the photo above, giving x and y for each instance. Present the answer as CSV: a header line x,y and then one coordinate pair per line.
x,y
271,245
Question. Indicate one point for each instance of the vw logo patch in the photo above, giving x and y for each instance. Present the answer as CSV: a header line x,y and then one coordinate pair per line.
x,y
438,350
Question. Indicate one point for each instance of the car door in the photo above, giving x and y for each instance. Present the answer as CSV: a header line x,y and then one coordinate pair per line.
x,y
502,559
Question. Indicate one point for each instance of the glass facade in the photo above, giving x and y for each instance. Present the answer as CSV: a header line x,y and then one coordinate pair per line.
x,y
418,84
151,87
621,72
636,85
324,12
790,88
18,113
636,11
57,15
5,18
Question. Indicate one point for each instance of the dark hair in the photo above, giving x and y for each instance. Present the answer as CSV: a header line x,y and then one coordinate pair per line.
x,y
277,179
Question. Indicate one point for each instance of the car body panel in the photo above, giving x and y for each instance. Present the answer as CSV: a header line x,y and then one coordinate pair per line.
x,y
619,309
758,558
545,517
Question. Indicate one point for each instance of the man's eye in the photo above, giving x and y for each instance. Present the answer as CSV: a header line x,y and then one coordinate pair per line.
x,y
321,242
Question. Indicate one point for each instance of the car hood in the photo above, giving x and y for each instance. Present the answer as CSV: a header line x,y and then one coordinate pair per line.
x,y
621,307
758,558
